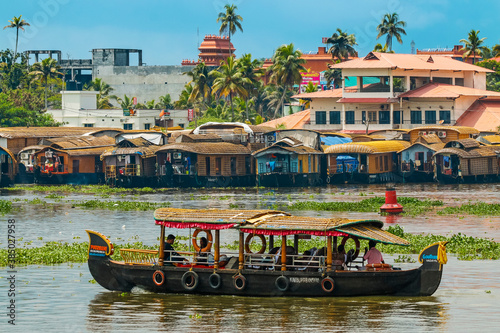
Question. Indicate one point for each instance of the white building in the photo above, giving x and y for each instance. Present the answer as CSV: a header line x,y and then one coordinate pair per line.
x,y
79,109
391,91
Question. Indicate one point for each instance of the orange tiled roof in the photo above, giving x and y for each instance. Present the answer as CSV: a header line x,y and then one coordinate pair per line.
x,y
484,115
433,90
293,121
409,61
333,93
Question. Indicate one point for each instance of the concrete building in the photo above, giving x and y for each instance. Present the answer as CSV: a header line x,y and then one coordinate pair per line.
x,y
79,110
392,91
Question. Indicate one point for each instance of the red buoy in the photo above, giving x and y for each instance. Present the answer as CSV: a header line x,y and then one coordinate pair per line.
x,y
391,203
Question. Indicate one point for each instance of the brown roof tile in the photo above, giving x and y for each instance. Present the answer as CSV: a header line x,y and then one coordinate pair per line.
x,y
208,148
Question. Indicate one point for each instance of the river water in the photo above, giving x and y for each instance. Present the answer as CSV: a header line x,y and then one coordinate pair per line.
x,y
60,298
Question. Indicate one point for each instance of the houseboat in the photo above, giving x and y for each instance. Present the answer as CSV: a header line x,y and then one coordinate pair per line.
x,y
131,163
205,164
364,162
8,167
288,162
274,269
467,160
72,166
27,164
416,161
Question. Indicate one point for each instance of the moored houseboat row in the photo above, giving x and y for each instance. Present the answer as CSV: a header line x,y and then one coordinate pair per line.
x,y
236,154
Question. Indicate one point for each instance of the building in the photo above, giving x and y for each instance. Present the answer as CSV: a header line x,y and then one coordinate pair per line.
x,y
213,50
455,52
393,91
79,109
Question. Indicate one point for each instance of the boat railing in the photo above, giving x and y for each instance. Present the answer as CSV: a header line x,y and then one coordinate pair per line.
x,y
294,262
139,257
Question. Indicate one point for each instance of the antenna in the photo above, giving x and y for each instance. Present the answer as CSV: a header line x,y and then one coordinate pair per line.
x,y
412,47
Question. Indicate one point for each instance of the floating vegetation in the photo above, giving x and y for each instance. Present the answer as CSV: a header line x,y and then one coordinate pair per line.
x,y
86,189
5,206
478,208
120,205
412,206
54,196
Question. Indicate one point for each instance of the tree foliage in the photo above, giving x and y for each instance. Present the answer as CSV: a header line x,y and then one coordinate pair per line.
x,y
392,27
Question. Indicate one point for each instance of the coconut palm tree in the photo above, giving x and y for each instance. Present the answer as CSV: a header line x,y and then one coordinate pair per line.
x,y
333,76
103,97
165,102
183,102
472,45
286,69
342,45
252,70
126,102
229,81
392,27
382,49
230,22
44,71
17,23
201,82
496,50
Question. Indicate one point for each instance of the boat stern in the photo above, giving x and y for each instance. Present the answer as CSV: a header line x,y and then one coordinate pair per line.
x,y
432,258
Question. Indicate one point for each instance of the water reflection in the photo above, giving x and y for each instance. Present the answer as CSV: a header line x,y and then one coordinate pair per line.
x,y
226,313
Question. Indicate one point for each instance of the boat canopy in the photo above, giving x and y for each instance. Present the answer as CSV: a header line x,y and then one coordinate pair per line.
x,y
265,222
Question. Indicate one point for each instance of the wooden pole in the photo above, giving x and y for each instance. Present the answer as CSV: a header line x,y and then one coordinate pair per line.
x,y
329,253
242,248
296,243
283,253
271,242
217,249
335,246
161,255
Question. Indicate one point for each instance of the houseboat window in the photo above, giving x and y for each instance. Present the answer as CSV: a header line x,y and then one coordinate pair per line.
x,y
294,166
147,126
207,163
445,116
233,165
396,115
490,165
386,163
88,125
335,117
76,166
349,117
248,165
320,117
385,117
416,117
261,168
430,117
128,126
218,166
309,166
376,163
300,166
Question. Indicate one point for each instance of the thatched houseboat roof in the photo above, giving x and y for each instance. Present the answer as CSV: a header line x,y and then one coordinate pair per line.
x,y
208,148
372,147
143,152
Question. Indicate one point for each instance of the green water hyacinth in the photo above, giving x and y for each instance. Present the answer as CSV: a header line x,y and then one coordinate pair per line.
x,y
5,207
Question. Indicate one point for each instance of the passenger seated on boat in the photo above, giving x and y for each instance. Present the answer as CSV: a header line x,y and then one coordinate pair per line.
x,y
202,256
170,254
307,260
290,251
339,258
373,256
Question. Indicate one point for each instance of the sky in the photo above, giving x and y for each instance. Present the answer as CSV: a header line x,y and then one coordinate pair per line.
x,y
170,31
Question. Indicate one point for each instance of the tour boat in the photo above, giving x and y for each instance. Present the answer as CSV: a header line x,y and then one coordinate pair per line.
x,y
270,271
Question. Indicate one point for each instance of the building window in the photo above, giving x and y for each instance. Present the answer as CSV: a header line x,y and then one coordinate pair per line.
x,y
349,117
398,84
446,80
320,117
372,117
396,117
430,117
88,125
375,84
147,126
459,81
445,116
416,117
181,125
335,117
127,126
385,117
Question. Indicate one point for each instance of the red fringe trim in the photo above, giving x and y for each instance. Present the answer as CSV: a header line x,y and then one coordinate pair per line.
x,y
205,226
292,232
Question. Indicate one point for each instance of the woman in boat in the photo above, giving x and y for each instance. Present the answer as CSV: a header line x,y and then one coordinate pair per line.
x,y
339,258
203,252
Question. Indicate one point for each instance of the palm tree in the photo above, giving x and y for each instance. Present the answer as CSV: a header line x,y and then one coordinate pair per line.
x,y
333,76
496,50
126,102
472,45
165,102
229,81
183,102
103,97
252,70
229,21
201,81
342,45
45,70
286,68
17,23
382,49
392,27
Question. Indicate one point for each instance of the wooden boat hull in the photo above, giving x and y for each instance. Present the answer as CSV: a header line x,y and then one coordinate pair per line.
x,y
289,179
122,277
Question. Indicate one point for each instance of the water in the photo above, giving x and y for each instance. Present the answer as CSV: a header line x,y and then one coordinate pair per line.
x,y
61,299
